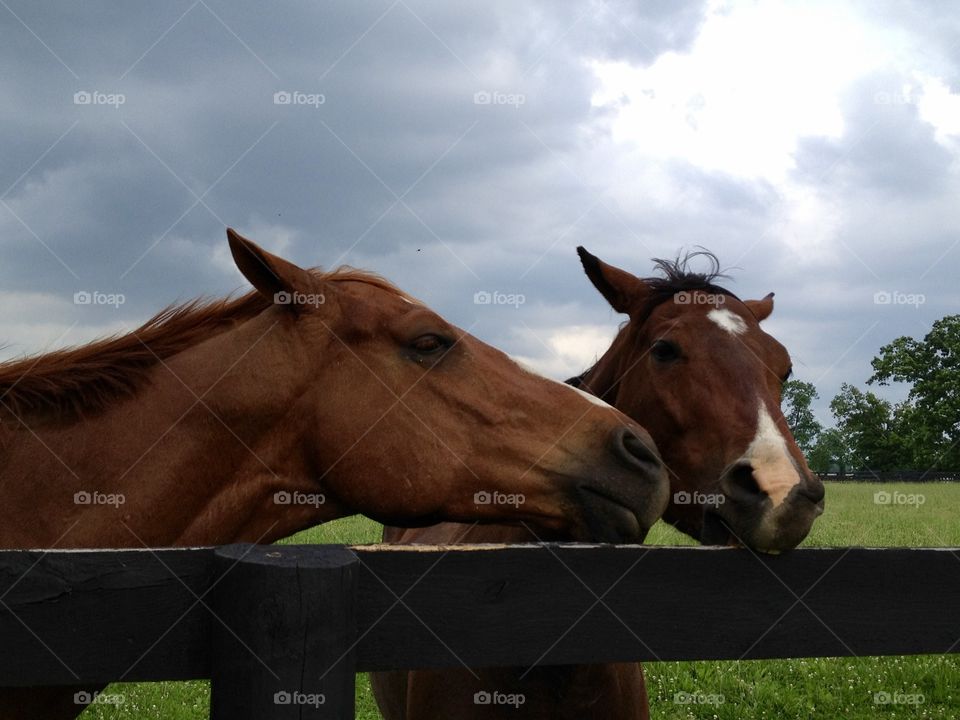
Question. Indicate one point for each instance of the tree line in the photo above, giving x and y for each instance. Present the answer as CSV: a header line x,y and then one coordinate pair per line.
x,y
869,433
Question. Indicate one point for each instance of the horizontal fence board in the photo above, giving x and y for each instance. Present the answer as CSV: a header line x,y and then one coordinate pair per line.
x,y
519,606
102,616
111,615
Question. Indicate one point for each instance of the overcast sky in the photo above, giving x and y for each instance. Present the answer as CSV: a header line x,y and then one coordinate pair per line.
x,y
461,148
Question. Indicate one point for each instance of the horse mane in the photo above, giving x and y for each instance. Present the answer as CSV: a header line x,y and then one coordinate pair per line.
x,y
676,276
73,381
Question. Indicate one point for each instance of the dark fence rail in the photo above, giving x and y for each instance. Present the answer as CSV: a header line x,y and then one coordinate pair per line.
x,y
261,621
894,476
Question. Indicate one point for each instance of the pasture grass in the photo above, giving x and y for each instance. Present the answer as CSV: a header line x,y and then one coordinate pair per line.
x,y
824,687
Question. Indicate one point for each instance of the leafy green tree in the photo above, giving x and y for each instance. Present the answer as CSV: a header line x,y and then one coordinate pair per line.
x,y
830,453
867,425
797,399
931,420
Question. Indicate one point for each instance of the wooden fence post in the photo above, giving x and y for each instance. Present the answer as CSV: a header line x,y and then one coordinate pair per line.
x,y
283,632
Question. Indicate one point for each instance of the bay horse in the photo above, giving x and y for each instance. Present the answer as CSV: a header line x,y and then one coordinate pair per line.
x,y
693,366
314,396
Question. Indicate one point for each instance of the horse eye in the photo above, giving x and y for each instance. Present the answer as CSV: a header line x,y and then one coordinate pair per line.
x,y
664,351
428,344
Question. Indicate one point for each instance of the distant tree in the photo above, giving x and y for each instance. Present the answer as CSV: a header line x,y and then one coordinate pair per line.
x,y
798,396
930,419
830,453
867,426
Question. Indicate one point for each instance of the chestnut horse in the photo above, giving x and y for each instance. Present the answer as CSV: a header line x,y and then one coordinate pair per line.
x,y
316,396
693,366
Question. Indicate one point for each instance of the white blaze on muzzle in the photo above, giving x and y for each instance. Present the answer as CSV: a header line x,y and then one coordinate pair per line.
x,y
773,468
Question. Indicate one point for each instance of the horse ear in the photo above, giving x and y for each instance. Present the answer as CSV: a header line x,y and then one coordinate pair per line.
x,y
276,279
761,309
620,288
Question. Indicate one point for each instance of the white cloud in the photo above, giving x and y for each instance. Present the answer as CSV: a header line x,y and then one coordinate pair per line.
x,y
757,78
941,108
569,350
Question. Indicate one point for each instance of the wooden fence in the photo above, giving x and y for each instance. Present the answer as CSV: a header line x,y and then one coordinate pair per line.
x,y
282,630
894,476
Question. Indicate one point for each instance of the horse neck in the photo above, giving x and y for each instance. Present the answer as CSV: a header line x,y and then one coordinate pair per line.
x,y
193,458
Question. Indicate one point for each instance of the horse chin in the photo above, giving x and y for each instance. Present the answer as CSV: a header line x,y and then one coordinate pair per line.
x,y
714,531
607,520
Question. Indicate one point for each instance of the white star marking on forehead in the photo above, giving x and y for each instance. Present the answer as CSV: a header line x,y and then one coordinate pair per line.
x,y
729,321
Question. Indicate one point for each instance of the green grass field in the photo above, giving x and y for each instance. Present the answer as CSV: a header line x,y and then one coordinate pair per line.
x,y
829,688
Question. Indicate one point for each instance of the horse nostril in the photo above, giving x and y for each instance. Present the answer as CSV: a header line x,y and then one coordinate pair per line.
x,y
633,448
740,483
812,489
